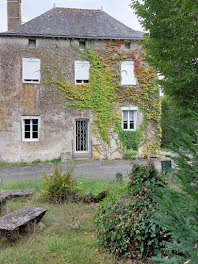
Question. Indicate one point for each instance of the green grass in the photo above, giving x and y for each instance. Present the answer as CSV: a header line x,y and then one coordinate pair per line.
x,y
59,242
36,162
87,185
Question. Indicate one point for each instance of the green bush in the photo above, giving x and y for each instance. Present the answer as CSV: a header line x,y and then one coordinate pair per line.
x,y
58,187
129,154
124,221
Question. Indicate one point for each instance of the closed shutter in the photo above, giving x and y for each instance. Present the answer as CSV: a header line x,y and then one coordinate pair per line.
x,y
31,70
127,73
82,70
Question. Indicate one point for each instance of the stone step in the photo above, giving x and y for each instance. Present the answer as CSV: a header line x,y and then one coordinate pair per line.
x,y
20,218
82,156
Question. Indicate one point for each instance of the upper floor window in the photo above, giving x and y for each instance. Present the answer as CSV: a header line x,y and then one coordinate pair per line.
x,y
32,42
127,73
129,118
82,45
30,128
31,70
82,72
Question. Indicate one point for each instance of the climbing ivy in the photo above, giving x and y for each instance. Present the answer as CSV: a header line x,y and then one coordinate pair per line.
x,y
103,94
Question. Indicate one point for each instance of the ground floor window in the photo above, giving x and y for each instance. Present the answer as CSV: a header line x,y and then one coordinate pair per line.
x,y
129,118
30,128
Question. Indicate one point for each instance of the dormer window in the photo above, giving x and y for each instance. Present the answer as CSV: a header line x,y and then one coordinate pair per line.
x,y
82,45
32,42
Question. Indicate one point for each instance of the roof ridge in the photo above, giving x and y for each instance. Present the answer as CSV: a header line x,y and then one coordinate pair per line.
x,y
74,8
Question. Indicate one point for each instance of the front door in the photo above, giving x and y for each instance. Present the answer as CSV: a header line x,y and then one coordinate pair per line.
x,y
82,136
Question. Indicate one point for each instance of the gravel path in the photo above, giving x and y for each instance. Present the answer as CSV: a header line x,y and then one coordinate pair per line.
x,y
89,169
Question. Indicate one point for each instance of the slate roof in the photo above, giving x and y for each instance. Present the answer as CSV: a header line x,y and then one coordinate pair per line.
x,y
75,23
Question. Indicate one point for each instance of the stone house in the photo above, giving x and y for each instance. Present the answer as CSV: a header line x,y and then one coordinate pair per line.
x,y
32,124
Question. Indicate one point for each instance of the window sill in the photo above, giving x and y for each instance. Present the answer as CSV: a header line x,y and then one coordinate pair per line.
x,y
30,140
31,82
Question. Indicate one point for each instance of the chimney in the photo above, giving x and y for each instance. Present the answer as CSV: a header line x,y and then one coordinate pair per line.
x,y
14,13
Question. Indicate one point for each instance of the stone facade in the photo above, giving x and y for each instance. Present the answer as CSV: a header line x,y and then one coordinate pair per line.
x,y
17,99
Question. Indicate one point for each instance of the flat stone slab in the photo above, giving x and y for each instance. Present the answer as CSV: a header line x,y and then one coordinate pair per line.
x,y
5,195
21,217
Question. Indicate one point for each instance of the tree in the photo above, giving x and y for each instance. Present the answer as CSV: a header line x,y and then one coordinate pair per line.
x,y
172,46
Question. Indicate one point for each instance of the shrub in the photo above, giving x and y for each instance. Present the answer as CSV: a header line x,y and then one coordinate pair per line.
x,y
124,221
60,186
130,154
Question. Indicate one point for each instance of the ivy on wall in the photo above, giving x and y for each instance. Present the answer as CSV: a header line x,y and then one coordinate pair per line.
x,y
103,94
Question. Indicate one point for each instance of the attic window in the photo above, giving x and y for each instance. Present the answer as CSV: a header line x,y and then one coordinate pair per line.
x,y
82,45
32,43
127,45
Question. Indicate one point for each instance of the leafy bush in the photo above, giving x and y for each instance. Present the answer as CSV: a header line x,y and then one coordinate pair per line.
x,y
129,154
124,221
60,186
129,139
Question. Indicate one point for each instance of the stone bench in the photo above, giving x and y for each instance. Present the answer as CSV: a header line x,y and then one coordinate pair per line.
x,y
6,195
21,220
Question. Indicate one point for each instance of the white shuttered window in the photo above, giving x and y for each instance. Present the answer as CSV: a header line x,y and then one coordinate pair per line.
x,y
127,73
82,72
31,70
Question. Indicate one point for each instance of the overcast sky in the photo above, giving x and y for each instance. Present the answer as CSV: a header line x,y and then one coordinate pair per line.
x,y
32,8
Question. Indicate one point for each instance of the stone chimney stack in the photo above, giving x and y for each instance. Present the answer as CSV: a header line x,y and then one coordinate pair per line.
x,y
14,13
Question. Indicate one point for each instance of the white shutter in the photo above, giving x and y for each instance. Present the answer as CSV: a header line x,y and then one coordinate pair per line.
x,y
31,70
127,73
82,70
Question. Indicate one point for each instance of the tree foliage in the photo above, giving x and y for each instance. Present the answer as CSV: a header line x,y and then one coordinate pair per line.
x,y
172,46
179,206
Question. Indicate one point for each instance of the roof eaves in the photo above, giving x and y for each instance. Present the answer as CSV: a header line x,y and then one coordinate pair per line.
x,y
68,36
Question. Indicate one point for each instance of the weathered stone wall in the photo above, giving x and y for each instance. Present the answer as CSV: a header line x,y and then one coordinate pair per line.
x,y
57,129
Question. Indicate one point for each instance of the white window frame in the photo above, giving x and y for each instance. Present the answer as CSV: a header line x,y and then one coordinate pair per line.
x,y
132,80
130,108
75,71
23,118
38,73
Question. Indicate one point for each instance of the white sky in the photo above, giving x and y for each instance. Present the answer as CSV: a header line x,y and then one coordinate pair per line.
x,y
32,8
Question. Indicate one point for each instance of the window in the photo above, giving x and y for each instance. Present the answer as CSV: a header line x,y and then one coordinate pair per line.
x,y
127,73
32,43
30,128
82,72
127,45
31,70
129,118
82,45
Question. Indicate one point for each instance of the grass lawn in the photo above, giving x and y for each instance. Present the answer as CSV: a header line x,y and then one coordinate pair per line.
x,y
69,233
